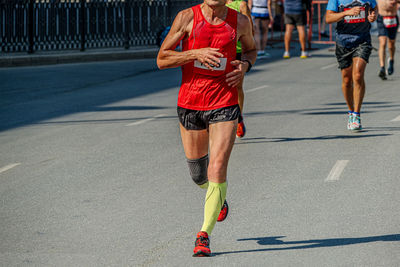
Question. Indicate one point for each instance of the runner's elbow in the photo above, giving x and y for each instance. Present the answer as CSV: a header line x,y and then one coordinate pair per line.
x,y
161,62
329,20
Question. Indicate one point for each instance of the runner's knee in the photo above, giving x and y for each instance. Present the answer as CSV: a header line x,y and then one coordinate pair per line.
x,y
198,169
358,77
347,78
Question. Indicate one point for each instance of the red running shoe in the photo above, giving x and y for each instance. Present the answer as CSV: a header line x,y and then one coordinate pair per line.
x,y
224,212
202,245
241,130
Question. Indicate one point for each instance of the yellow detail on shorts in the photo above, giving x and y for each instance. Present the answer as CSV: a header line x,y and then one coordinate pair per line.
x,y
215,198
204,186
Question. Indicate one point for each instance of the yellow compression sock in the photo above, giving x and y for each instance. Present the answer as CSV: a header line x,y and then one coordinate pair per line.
x,y
215,198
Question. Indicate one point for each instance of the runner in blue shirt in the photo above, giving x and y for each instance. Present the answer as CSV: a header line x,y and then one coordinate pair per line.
x,y
353,48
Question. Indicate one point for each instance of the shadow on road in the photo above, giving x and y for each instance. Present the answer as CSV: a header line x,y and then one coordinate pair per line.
x,y
340,110
258,140
38,94
312,243
108,121
364,103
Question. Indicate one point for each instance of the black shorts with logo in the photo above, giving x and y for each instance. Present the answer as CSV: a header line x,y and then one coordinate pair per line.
x,y
345,55
383,30
296,19
201,119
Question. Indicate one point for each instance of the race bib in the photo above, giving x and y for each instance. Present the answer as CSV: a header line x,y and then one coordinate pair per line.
x,y
390,22
355,19
220,67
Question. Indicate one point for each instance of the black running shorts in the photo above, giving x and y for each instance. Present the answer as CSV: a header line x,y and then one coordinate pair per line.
x,y
345,55
201,119
389,32
296,19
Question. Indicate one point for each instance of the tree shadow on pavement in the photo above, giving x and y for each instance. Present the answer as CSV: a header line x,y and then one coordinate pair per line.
x,y
364,103
258,140
312,243
35,95
108,121
330,55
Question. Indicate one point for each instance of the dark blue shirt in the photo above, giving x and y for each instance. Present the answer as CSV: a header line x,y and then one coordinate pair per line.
x,y
352,30
294,6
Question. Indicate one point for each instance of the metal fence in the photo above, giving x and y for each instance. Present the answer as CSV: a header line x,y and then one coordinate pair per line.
x,y
44,25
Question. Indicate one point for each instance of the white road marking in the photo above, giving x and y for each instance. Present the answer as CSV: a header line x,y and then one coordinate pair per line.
x,y
329,66
9,166
396,119
337,170
255,89
146,120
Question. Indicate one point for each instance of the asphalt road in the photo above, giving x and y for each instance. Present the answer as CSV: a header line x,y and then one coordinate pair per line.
x,y
92,171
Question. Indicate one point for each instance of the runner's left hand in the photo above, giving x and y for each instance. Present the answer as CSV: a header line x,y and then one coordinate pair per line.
x,y
235,77
372,15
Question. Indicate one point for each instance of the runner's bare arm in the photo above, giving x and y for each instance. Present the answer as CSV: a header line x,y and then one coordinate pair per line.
x,y
181,28
271,17
249,52
250,4
332,16
244,9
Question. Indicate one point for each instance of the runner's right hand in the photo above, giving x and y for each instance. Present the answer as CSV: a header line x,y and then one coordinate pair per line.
x,y
208,56
353,11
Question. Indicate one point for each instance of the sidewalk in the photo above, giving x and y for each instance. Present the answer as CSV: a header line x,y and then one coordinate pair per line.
x,y
75,56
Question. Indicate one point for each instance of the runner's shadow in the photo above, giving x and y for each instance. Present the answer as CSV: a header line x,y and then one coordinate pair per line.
x,y
379,129
307,244
257,140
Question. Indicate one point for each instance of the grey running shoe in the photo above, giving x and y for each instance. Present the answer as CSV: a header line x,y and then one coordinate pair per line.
x,y
286,55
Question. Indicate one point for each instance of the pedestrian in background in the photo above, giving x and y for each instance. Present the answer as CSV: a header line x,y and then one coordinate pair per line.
x,y
241,7
262,17
296,16
388,23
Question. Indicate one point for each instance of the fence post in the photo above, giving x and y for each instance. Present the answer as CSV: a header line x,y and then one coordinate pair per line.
x,y
82,22
30,26
126,24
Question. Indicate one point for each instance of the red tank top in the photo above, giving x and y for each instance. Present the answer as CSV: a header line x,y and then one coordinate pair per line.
x,y
203,89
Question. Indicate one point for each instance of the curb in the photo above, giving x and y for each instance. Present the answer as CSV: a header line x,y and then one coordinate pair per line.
x,y
17,60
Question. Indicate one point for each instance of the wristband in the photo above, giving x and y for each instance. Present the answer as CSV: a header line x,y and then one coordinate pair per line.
x,y
250,65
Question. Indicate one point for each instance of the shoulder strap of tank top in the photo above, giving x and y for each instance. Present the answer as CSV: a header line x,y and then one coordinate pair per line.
x,y
196,14
231,18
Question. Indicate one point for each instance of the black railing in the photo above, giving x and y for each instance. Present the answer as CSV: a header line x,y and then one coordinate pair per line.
x,y
44,25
